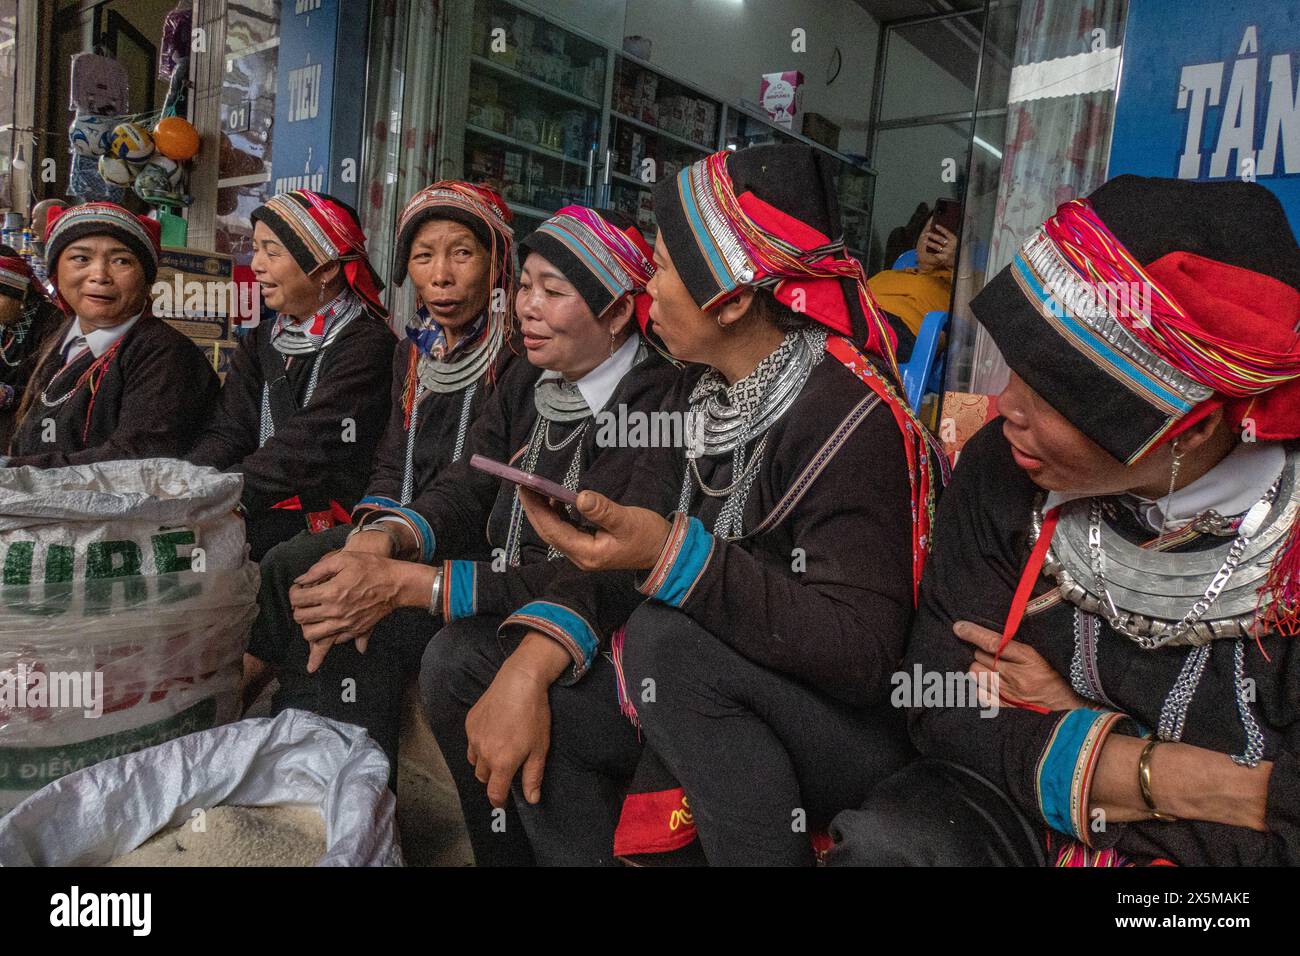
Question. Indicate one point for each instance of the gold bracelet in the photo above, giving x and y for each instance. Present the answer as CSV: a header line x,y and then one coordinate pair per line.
x,y
1144,781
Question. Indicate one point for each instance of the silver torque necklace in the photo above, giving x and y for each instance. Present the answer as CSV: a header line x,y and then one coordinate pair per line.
x,y
1144,594
444,377
724,426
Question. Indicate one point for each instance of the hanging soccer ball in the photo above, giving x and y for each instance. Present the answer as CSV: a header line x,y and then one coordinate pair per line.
x,y
176,138
169,169
130,142
116,171
151,185
89,134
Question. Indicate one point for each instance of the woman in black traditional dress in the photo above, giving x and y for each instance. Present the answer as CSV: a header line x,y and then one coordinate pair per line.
x,y
305,401
119,382
461,549
776,596
1121,551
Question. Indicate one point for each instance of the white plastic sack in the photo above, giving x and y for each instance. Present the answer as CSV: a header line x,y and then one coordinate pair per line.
x,y
127,582
94,815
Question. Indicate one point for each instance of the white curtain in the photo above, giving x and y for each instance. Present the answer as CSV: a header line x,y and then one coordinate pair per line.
x,y
406,111
1059,110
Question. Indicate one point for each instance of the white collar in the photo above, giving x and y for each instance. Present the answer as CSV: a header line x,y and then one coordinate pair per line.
x,y
1229,488
99,341
598,385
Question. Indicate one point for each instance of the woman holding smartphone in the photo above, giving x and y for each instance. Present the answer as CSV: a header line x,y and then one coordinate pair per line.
x,y
581,306
776,561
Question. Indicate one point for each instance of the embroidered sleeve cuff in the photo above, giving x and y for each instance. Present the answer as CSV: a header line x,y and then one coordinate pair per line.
x,y
681,563
371,502
1066,768
559,623
419,527
459,590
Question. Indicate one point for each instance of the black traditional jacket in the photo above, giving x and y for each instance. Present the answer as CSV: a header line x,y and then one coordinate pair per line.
x,y
1043,761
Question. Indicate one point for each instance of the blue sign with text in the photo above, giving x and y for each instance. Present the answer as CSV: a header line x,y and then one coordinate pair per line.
x,y
1208,91
304,95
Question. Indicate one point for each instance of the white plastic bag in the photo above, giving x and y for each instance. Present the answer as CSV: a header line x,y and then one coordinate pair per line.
x,y
94,815
128,582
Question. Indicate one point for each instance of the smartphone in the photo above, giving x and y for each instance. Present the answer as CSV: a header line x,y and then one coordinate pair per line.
x,y
537,483
947,213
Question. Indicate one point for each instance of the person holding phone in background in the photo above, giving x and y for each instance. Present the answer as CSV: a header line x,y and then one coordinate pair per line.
x,y
912,292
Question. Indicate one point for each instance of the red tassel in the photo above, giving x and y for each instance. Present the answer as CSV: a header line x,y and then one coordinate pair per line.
x,y
1279,598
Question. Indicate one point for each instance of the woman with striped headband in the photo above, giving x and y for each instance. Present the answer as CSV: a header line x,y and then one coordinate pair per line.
x,y
27,321
304,404
116,382
1118,558
580,307
455,243
777,555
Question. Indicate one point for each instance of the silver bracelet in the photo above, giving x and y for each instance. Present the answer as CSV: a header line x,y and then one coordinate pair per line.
x,y
435,595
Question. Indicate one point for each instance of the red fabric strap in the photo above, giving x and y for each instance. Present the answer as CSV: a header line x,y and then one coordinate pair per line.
x,y
1023,592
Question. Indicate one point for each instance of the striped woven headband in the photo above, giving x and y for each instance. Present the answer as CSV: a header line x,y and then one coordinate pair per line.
x,y
109,216
1088,321
10,276
307,229
606,252
453,193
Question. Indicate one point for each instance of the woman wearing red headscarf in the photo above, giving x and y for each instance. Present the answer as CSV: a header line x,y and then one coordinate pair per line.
x,y
305,401
581,309
116,382
777,556
1118,557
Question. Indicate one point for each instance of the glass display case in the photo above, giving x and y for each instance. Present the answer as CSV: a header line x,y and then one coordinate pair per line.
x,y
536,99
657,126
554,117
853,179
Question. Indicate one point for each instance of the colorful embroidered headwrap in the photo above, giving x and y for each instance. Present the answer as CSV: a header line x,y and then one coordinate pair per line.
x,y
1141,309
722,235
480,209
603,255
767,216
138,233
318,229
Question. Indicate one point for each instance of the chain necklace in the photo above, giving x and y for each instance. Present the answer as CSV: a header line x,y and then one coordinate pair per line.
x,y
99,365
1159,599
15,336
1179,629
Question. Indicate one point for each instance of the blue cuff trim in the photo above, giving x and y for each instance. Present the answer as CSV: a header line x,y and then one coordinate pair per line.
x,y
687,567
561,619
1056,770
377,501
421,528
463,584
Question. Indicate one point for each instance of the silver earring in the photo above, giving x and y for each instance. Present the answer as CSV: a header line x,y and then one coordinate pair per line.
x,y
611,342
1173,478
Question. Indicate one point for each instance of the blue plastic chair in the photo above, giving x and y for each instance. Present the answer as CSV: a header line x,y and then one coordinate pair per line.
x,y
923,373
906,261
